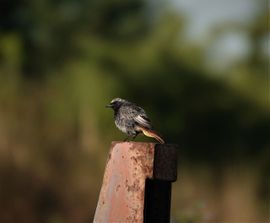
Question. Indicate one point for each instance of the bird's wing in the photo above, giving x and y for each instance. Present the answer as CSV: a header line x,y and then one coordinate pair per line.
x,y
136,113
143,121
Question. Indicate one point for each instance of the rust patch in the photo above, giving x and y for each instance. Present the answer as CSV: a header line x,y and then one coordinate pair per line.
x,y
118,187
134,187
134,159
134,216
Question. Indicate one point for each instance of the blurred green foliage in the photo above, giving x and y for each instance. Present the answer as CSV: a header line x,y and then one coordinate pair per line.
x,y
61,62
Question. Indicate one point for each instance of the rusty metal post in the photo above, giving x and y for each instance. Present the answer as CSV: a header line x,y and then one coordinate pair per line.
x,y
158,189
137,183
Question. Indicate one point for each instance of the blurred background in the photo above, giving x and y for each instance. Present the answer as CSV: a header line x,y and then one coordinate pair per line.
x,y
200,68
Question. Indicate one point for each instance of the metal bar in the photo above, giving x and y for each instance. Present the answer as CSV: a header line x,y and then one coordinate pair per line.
x,y
137,183
157,203
122,194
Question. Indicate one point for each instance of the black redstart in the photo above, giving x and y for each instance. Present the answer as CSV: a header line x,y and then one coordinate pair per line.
x,y
132,119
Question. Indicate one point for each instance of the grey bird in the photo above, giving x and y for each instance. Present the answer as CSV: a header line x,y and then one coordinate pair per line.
x,y
132,119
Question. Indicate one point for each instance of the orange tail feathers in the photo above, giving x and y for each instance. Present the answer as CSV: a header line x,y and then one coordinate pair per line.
x,y
153,134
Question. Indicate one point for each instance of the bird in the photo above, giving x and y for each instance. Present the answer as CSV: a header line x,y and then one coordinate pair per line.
x,y
132,119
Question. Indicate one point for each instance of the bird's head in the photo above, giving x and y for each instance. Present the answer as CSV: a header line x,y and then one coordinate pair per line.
x,y
116,103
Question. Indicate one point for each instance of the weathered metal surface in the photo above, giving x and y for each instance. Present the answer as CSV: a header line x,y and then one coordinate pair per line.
x,y
122,194
165,163
158,190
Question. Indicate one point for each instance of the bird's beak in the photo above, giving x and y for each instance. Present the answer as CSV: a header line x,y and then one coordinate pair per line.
x,y
109,106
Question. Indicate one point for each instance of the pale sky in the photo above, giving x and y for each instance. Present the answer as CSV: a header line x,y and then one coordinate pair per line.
x,y
202,16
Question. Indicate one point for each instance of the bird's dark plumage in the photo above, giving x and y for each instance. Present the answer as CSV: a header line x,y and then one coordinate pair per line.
x,y
132,119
